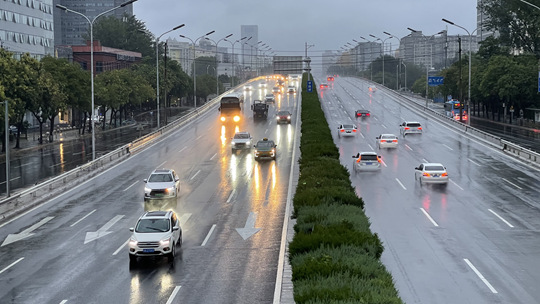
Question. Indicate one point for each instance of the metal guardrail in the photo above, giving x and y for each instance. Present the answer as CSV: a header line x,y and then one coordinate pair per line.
x,y
37,194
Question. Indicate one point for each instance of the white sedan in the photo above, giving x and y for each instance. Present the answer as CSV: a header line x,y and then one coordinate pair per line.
x,y
431,173
387,141
347,130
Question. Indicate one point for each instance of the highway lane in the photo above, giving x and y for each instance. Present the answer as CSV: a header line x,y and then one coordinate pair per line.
x,y
49,257
471,242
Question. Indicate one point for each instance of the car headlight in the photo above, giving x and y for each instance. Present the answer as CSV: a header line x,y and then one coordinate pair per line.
x,y
222,118
289,117
233,143
248,143
277,117
170,190
132,242
147,190
165,242
237,118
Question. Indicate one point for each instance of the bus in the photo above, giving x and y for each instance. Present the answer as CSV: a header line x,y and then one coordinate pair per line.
x,y
453,107
231,107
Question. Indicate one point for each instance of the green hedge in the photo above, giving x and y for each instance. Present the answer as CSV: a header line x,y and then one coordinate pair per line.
x,y
334,255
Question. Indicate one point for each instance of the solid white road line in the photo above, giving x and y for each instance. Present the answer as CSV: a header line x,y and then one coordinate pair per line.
x,y
83,218
173,294
429,217
161,165
504,179
453,182
130,186
208,235
500,217
215,154
63,302
425,160
121,247
195,175
382,125
11,265
230,196
480,276
399,182
472,161
182,149
407,146
382,161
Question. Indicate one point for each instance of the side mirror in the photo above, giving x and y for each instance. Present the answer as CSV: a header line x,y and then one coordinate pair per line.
x,y
175,228
354,156
416,168
176,179
145,180
131,229
252,107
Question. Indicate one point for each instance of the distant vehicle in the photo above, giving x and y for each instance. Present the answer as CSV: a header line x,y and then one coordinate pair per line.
x,y
265,149
291,90
387,141
231,106
248,87
456,109
372,88
276,90
283,117
362,113
330,78
157,233
260,109
366,161
269,98
262,85
432,173
410,127
161,184
241,141
346,130
324,86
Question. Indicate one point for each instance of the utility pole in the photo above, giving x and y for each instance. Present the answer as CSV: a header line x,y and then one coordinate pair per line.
x,y
308,61
460,83
165,82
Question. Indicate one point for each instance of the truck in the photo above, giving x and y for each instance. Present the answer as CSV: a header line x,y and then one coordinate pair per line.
x,y
260,109
230,107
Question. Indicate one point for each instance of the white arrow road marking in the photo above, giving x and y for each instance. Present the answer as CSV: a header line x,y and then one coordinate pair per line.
x,y
11,265
249,229
94,235
25,233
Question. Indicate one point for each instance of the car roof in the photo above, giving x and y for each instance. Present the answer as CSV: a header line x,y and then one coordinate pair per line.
x,y
368,153
162,171
362,110
158,214
388,134
411,122
243,132
432,164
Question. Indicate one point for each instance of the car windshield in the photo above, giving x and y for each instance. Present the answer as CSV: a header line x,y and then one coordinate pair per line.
x,y
414,125
388,137
348,126
265,144
283,113
241,136
160,178
368,157
152,225
434,168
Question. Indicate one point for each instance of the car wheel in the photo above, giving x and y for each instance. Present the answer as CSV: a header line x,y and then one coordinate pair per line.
x,y
132,259
172,254
180,240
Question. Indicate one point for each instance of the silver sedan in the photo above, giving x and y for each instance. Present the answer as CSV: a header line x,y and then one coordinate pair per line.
x,y
431,173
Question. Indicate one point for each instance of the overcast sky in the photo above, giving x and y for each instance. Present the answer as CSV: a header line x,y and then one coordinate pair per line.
x,y
287,25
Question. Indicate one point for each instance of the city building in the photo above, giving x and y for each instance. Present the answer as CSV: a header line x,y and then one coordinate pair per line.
x,y
26,26
364,53
481,19
183,53
249,46
73,29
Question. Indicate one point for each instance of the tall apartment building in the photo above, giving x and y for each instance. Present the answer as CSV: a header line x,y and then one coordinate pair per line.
x,y
481,19
26,26
249,46
71,29
365,53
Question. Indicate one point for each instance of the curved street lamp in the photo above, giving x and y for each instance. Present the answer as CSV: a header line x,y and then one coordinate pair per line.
x,y
216,43
383,41
370,55
232,46
194,64
91,23
470,47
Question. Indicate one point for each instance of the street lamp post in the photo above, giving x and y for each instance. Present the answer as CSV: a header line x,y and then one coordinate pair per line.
x,y
216,43
426,38
232,46
370,55
91,23
6,129
383,41
399,59
157,69
194,64
470,48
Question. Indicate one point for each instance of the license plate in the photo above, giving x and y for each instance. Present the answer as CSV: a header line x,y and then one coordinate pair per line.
x,y
389,141
159,194
148,250
369,164
435,175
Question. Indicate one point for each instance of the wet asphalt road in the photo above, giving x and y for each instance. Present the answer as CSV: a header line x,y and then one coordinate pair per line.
x,y
474,241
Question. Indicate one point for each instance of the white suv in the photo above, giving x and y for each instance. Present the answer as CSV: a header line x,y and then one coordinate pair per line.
x,y
241,141
410,127
157,233
161,184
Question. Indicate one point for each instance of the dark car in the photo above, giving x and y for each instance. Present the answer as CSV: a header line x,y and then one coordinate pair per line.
x,y
362,113
265,149
330,78
283,117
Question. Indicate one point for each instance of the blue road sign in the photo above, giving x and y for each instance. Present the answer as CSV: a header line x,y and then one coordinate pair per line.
x,y
310,86
434,81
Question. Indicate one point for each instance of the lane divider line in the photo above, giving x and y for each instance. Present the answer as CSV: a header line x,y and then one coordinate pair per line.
x,y
501,218
130,186
504,179
399,182
173,294
11,265
121,247
480,276
83,218
472,161
231,195
208,235
453,182
195,175
429,217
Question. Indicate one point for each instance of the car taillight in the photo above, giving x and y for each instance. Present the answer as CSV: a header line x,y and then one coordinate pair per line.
x,y
395,140
419,128
444,174
367,114
342,130
354,130
383,141
407,128
425,174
